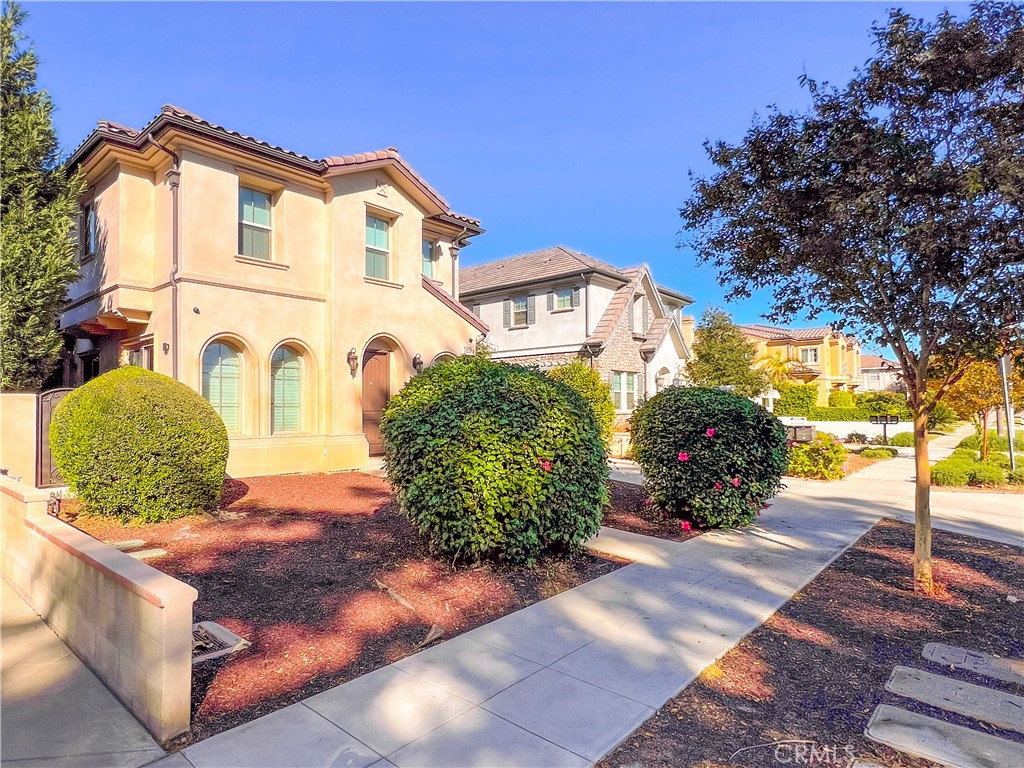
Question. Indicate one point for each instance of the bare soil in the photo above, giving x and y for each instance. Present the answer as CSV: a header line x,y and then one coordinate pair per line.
x,y
629,510
817,668
292,564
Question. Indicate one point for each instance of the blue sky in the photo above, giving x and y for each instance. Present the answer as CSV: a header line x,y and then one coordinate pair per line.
x,y
569,123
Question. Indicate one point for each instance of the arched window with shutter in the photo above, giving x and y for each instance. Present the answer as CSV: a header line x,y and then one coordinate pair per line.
x,y
286,390
222,383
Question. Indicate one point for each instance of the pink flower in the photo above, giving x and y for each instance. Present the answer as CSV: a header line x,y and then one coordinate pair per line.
x,y
736,482
718,486
759,513
684,456
546,465
647,502
685,525
710,433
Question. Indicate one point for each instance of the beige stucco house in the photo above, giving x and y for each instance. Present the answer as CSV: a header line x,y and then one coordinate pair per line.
x,y
295,294
824,356
551,306
880,375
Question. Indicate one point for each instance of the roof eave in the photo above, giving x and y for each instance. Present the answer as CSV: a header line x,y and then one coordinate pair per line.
x,y
496,287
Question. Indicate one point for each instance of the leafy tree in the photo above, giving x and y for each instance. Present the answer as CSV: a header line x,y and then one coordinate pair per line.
x,y
777,370
894,202
38,202
979,391
723,356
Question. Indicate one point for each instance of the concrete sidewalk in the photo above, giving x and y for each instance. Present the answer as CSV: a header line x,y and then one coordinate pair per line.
x,y
53,710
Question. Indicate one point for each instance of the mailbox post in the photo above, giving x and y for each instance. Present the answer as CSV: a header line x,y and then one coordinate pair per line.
x,y
885,419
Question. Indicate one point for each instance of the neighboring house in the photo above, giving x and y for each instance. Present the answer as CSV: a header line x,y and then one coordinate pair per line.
x,y
551,306
880,375
295,294
827,357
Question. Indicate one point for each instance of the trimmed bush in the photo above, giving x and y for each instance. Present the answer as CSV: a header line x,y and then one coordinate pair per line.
x,y
708,455
951,472
821,459
1015,476
878,453
840,399
1002,443
796,399
971,442
964,454
885,402
999,460
857,437
594,390
491,460
902,440
140,446
837,414
984,473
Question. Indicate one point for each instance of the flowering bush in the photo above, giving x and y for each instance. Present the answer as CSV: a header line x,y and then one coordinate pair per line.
x,y
708,455
821,459
494,460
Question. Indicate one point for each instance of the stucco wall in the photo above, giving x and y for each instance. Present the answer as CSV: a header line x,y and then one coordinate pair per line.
x,y
18,412
130,623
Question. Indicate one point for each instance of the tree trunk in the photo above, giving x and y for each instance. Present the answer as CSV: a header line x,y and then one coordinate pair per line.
x,y
922,506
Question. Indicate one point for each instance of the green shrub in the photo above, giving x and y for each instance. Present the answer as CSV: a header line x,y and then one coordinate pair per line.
x,y
840,399
942,417
140,446
821,459
491,460
964,454
1015,476
879,403
796,399
952,472
594,389
984,473
837,414
878,453
709,455
1002,443
999,460
902,440
857,437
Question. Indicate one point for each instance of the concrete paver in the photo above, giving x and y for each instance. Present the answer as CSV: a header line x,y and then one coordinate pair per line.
x,y
55,711
1007,670
1000,708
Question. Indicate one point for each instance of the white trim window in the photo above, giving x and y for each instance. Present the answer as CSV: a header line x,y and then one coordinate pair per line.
x,y
624,390
809,355
378,249
253,223
563,298
429,257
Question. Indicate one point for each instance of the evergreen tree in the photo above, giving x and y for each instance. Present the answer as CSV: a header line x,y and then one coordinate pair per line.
x,y
38,202
723,356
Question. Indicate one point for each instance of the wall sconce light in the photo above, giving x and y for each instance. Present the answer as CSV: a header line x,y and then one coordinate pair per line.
x,y
165,347
417,362
353,361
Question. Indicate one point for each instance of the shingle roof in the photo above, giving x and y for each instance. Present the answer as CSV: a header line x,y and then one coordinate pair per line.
x,y
772,332
174,115
619,303
536,266
876,361
656,334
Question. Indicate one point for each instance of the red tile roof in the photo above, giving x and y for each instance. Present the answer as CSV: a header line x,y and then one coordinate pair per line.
x,y
775,333
875,361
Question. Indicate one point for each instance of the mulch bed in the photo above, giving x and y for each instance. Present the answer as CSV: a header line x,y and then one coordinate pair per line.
x,y
629,511
291,564
816,670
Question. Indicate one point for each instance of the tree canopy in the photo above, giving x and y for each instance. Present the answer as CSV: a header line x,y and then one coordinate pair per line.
x,y
723,356
894,202
38,204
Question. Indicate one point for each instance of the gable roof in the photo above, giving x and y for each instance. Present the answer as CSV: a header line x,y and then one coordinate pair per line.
x,y
775,333
876,361
173,117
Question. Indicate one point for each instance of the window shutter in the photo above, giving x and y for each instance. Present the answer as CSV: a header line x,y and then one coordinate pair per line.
x,y
575,297
632,315
531,310
506,312
647,314
551,300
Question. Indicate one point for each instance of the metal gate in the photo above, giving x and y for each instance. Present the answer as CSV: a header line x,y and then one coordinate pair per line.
x,y
47,475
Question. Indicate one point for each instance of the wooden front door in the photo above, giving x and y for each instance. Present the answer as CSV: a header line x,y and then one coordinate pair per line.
x,y
376,392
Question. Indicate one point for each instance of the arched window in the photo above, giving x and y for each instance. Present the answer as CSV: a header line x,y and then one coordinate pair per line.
x,y
286,390
222,383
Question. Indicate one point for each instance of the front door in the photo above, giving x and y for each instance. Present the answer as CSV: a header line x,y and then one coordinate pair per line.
x,y
47,475
376,392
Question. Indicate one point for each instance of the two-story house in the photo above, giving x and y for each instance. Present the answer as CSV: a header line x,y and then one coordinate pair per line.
x,y
295,294
880,375
827,357
551,306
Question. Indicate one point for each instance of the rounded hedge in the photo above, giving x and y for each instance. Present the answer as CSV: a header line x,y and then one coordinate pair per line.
x,y
140,446
902,440
954,472
1015,476
821,459
491,460
878,453
709,455
984,473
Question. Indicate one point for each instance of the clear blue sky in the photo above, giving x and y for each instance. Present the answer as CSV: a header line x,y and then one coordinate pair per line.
x,y
563,123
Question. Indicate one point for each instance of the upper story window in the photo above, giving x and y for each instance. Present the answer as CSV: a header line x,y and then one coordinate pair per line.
x,y
88,241
624,390
809,355
519,312
429,257
378,252
253,223
563,298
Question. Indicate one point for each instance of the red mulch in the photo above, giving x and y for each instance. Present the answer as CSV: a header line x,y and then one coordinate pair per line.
x,y
628,510
290,563
816,669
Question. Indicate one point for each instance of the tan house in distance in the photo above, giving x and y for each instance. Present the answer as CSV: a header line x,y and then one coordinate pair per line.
x,y
295,294
824,356
880,375
551,306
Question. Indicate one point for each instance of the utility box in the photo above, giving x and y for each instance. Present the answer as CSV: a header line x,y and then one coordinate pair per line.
x,y
801,434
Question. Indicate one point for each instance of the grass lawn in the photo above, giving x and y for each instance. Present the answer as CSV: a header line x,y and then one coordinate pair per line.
x,y
817,668
292,563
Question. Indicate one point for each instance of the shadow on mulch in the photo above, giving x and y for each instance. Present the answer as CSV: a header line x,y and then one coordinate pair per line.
x,y
816,669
